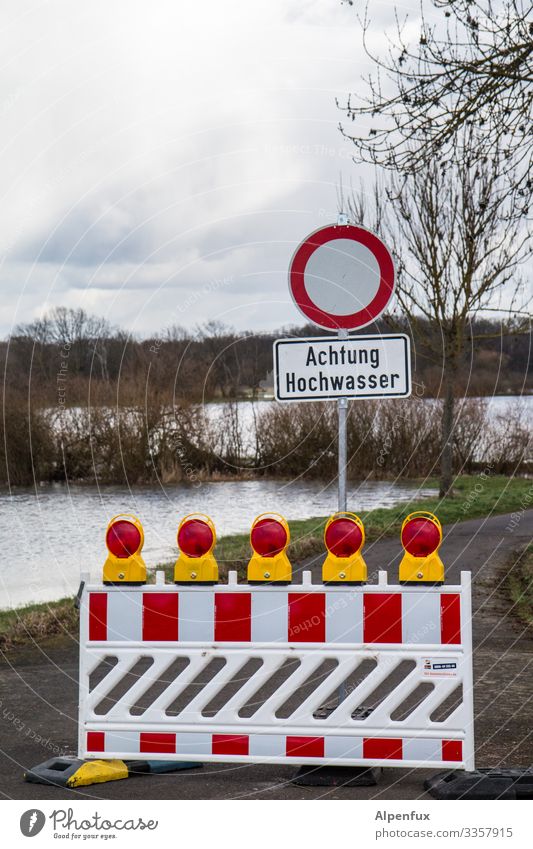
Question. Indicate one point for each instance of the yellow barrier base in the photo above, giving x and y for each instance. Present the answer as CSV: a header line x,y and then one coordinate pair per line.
x,y
421,570
97,772
69,771
270,570
124,570
344,570
196,570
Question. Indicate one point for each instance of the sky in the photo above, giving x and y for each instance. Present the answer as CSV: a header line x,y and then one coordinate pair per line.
x,y
160,162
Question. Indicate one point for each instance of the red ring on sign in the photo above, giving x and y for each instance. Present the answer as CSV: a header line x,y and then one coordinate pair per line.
x,y
297,277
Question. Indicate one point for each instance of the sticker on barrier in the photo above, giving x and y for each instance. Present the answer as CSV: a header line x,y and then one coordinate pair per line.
x,y
246,673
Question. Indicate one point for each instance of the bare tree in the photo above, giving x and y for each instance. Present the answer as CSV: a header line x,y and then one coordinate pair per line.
x,y
80,337
457,246
224,368
82,334
471,65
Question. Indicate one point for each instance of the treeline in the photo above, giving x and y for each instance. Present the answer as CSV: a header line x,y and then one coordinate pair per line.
x,y
83,401
70,358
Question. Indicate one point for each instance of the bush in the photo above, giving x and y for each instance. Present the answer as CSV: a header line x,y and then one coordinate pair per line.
x,y
390,439
27,445
152,441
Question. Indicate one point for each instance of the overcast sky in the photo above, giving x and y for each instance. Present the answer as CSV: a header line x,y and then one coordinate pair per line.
x,y
160,161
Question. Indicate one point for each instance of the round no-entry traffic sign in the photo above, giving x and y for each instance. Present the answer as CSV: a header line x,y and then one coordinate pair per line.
x,y
341,277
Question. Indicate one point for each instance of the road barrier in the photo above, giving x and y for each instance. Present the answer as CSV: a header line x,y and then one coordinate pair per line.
x,y
360,675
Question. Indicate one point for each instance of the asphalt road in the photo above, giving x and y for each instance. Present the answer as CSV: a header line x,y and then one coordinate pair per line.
x,y
38,694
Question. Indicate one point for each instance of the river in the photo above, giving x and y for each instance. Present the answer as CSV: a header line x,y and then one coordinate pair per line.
x,y
55,531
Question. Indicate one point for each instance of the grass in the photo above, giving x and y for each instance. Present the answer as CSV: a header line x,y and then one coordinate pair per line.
x,y
474,497
36,622
520,583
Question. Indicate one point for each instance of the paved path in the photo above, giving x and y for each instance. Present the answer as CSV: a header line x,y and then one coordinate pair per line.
x,y
38,693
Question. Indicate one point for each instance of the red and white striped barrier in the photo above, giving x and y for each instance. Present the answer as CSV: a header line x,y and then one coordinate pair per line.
x,y
272,615
404,639
274,746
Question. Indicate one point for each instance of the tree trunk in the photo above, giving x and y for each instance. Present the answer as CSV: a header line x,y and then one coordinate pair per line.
x,y
446,457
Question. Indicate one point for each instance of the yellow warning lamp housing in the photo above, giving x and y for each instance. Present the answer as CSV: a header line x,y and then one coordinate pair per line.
x,y
421,536
269,538
196,540
124,540
344,537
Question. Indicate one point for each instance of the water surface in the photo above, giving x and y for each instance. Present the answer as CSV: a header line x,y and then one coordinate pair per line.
x,y
52,533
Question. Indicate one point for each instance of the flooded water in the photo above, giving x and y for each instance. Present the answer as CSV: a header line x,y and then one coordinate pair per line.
x,y
52,534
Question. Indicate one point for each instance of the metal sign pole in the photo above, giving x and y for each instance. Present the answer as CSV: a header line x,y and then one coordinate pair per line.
x,y
342,410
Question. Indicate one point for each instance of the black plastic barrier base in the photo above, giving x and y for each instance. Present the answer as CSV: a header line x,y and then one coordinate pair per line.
x,y
482,784
55,771
158,767
74,772
337,776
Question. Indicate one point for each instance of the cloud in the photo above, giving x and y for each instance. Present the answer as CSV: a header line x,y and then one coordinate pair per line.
x,y
150,150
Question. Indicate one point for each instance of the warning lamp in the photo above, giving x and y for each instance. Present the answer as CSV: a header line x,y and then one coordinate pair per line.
x,y
421,537
196,540
344,537
269,538
124,539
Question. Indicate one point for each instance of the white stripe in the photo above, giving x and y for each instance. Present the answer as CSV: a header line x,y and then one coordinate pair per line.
x,y
267,745
421,618
196,616
422,749
122,742
124,615
193,744
270,617
344,617
343,747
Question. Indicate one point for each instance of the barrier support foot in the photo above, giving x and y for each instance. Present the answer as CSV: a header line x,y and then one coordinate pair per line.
x,y
337,776
75,772
482,784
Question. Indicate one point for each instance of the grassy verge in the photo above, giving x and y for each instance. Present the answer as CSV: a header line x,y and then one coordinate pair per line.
x,y
520,584
37,622
474,497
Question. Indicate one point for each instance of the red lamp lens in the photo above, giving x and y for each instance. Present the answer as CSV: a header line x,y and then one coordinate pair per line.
x,y
195,538
420,537
123,538
343,537
268,537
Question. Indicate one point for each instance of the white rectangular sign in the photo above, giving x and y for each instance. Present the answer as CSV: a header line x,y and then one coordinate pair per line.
x,y
317,367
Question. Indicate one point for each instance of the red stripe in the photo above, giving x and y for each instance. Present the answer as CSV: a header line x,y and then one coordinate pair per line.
x,y
452,750
305,747
307,618
160,616
98,616
450,618
382,748
382,618
230,744
232,617
95,741
156,743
